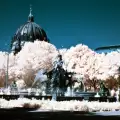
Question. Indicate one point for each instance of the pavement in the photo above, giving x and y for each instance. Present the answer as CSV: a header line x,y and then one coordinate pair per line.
x,y
108,113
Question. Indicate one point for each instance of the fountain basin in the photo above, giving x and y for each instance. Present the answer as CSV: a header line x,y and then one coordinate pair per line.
x,y
86,95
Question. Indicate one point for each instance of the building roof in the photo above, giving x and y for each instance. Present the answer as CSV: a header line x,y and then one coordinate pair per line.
x,y
28,32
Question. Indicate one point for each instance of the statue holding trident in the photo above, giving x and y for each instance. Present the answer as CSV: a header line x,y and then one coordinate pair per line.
x,y
59,77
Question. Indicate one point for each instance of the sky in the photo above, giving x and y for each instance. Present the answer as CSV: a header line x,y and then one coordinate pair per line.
x,y
67,23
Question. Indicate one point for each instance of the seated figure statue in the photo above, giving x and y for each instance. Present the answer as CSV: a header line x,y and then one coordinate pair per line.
x,y
13,87
104,92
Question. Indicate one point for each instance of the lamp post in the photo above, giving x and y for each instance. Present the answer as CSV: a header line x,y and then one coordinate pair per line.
x,y
119,82
7,68
118,78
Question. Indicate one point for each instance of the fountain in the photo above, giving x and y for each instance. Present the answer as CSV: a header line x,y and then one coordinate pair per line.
x,y
59,84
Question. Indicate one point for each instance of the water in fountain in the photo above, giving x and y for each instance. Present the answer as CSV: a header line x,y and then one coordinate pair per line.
x,y
69,92
8,91
97,95
37,92
29,90
1,92
40,81
117,95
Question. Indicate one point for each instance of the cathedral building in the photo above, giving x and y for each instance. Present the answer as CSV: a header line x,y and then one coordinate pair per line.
x,y
28,32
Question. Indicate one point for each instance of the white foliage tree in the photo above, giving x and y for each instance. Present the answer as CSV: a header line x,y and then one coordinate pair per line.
x,y
40,55
33,57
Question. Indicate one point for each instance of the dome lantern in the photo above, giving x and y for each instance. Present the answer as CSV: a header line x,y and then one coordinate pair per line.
x,y
30,17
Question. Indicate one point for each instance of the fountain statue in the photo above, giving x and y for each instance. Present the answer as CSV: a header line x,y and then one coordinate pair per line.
x,y
78,85
58,81
104,92
59,78
13,87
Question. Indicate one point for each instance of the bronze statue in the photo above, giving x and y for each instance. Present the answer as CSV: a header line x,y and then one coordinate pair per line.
x,y
60,78
104,92
13,87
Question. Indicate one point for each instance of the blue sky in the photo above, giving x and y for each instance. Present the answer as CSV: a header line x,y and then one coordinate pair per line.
x,y
67,23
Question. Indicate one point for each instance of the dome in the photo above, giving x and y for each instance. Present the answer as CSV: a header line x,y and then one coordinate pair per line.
x,y
28,32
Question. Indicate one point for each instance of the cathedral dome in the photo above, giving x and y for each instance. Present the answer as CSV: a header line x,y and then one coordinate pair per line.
x,y
28,32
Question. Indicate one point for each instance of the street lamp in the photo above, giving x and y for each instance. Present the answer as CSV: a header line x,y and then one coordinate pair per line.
x,y
119,82
118,78
7,68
